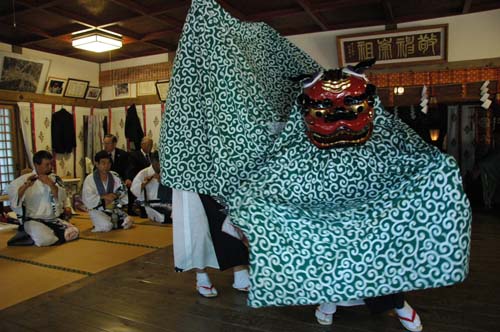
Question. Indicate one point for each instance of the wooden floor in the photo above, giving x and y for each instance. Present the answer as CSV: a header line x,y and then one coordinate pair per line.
x,y
147,295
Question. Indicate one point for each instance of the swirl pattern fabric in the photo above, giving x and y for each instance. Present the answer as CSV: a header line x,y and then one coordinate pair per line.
x,y
351,223
323,225
230,84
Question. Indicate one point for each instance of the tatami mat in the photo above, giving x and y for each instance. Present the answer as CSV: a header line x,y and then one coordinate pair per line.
x,y
89,256
141,234
21,281
37,270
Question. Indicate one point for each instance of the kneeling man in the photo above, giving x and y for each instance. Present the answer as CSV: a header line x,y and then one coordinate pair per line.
x,y
40,195
156,198
103,194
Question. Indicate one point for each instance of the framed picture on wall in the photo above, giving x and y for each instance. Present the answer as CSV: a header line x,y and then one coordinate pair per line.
x,y
121,90
162,89
146,88
76,88
20,73
55,86
93,92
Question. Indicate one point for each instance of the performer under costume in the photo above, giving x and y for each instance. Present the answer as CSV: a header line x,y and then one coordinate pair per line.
x,y
41,222
337,106
199,242
155,197
323,225
103,194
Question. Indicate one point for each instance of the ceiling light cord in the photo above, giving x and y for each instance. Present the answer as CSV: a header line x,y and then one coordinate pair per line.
x,y
14,13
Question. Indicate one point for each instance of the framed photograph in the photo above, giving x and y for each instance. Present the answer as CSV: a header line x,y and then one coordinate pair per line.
x,y
93,92
425,44
19,73
162,89
76,88
55,86
121,90
146,88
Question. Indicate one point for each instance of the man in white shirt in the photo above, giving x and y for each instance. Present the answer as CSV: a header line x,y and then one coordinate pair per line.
x,y
103,194
155,197
42,195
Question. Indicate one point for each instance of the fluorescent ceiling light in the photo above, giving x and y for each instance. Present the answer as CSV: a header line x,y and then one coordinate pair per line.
x,y
97,42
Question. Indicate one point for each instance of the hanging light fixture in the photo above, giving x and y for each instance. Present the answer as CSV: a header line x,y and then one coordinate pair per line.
x,y
97,41
434,134
433,100
399,90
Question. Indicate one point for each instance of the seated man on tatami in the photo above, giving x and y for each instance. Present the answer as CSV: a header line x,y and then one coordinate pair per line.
x,y
103,194
40,196
156,198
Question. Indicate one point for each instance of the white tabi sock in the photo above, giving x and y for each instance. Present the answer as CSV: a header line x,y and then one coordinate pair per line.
x,y
328,308
241,279
202,279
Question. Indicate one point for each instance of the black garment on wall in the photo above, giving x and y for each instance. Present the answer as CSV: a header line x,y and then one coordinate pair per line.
x,y
63,132
133,129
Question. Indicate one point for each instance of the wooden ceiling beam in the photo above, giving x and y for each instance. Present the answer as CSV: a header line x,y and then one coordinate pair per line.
x,y
152,52
34,30
355,24
132,5
322,6
31,8
144,12
232,10
85,21
274,14
132,37
63,33
164,46
466,6
306,6
158,34
332,5
47,50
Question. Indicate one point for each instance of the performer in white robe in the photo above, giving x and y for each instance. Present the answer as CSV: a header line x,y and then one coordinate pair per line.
x,y
156,198
194,239
103,194
43,196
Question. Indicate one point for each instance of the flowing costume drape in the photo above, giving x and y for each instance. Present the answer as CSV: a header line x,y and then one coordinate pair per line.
x,y
323,225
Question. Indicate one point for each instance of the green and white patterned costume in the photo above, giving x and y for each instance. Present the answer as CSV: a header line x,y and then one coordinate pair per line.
x,y
323,225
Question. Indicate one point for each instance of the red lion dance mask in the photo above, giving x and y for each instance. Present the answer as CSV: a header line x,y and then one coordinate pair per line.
x,y
338,107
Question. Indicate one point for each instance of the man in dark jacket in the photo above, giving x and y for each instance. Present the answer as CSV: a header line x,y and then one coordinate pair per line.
x,y
119,157
138,160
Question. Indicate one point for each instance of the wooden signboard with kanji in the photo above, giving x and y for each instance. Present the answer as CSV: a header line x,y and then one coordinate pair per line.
x,y
426,44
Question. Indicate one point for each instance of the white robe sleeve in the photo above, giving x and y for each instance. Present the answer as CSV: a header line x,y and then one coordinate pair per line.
x,y
135,188
16,202
90,196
